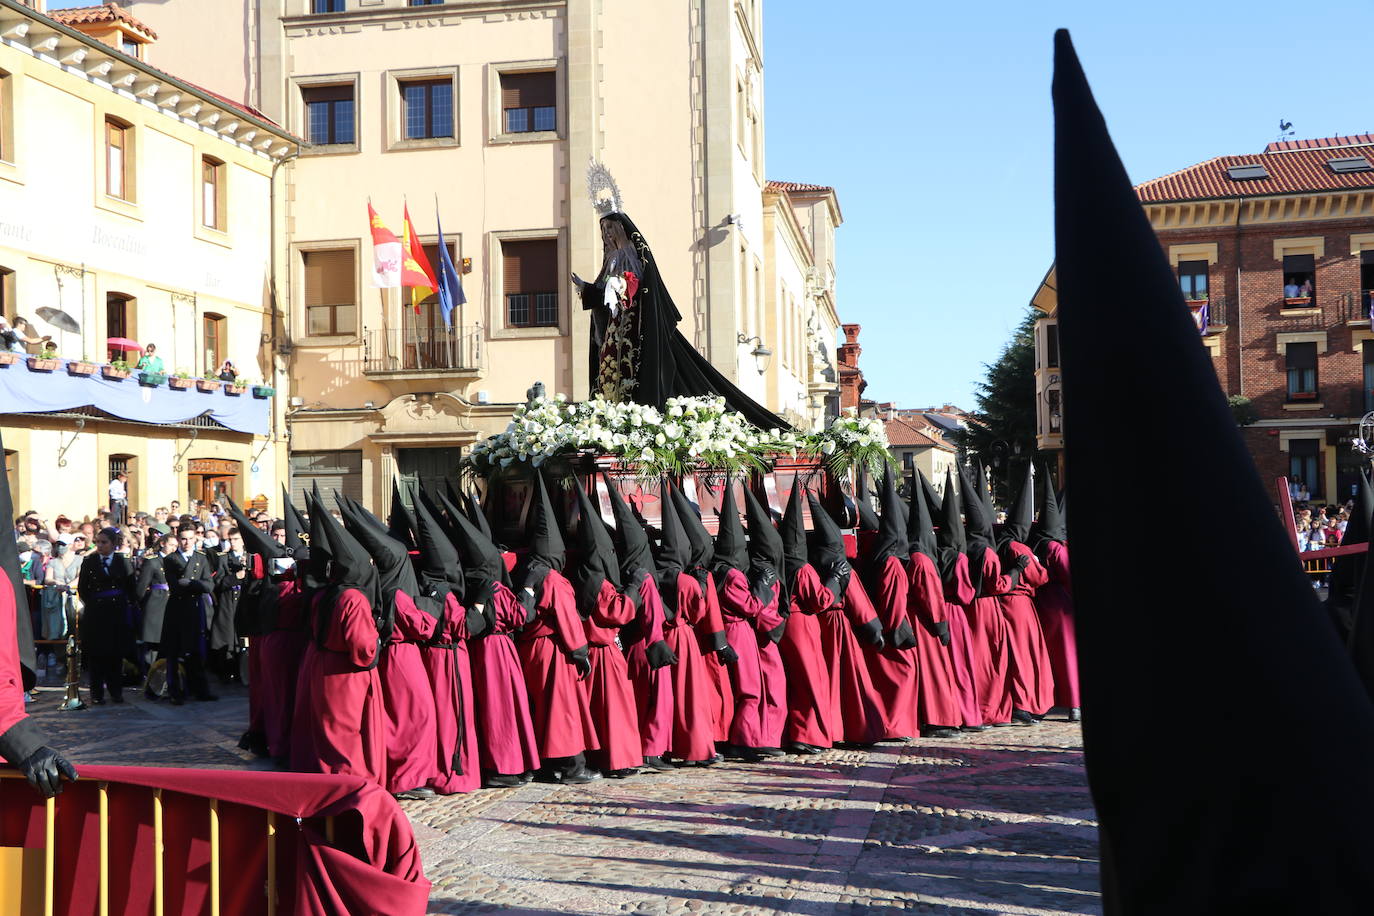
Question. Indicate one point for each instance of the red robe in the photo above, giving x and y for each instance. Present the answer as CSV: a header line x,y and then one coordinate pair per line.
x,y
563,722
757,679
283,653
988,646
408,700
958,596
893,670
1054,603
857,707
609,692
812,713
509,746
937,692
712,622
450,681
694,692
653,688
11,676
1031,678
339,724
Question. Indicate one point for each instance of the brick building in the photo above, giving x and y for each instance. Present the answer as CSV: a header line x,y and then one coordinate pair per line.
x,y
1275,255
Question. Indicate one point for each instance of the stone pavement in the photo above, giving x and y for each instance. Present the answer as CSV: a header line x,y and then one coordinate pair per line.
x,y
996,823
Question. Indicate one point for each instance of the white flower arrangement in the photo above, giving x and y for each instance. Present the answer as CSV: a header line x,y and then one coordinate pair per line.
x,y
852,441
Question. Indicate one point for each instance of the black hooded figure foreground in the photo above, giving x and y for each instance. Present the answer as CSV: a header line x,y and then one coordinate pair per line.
x,y
1225,636
637,353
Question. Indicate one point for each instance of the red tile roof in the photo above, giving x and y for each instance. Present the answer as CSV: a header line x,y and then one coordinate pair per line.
x,y
901,432
1299,167
797,186
106,12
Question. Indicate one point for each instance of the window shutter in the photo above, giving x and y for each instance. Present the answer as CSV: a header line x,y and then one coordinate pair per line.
x,y
1302,356
528,90
1367,258
529,266
329,277
328,93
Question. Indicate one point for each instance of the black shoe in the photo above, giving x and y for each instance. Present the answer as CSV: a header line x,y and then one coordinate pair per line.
x,y
739,752
206,697
419,793
800,747
1021,717
939,731
1007,724
97,701
579,777
622,773
503,781
117,698
768,751
1075,715
178,701
973,728
658,763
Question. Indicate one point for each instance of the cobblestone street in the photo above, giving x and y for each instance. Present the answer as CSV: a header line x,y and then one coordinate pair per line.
x,y
997,823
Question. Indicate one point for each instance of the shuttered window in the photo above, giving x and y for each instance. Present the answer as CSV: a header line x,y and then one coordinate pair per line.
x,y
331,305
339,470
529,278
1301,363
529,102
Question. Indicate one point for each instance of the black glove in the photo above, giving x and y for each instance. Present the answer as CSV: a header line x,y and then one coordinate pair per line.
x,y
633,583
939,630
871,633
660,655
775,635
44,769
581,662
525,598
727,655
1022,560
903,637
762,580
476,622
839,573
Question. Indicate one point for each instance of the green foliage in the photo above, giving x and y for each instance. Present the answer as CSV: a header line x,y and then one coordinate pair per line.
x,y
1242,410
1006,412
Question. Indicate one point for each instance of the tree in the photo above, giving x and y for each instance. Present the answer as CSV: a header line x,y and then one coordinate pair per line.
x,y
1001,433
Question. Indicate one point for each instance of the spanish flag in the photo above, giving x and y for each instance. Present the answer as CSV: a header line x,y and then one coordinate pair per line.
x,y
415,270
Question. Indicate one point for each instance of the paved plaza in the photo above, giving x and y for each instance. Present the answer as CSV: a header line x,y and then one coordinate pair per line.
x,y
997,823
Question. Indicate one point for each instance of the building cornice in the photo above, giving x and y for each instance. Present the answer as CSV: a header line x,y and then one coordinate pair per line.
x,y
1227,213
109,68
449,13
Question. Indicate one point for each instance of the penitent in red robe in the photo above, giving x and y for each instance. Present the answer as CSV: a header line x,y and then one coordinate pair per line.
x,y
893,670
450,680
281,654
339,724
858,709
653,688
409,700
694,691
937,692
758,678
812,712
504,721
609,692
1030,680
988,645
563,723
958,596
711,623
1054,602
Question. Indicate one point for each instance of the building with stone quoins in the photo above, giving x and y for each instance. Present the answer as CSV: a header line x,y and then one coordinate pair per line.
x,y
491,110
1275,254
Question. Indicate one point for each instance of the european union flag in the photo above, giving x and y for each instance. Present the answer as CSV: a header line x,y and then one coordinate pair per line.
x,y
450,287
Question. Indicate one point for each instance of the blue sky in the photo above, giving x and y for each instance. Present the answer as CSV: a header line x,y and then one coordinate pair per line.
x,y
933,123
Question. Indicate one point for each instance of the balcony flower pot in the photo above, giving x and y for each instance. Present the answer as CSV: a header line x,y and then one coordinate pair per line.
x,y
234,390
80,367
208,385
40,364
113,374
180,384
263,391
7,358
1197,303
151,379
1298,302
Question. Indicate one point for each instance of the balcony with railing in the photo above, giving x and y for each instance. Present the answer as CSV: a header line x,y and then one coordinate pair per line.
x,y
422,352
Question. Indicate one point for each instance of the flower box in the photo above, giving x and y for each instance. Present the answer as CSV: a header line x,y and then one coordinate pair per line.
x,y
40,364
1298,302
208,385
1303,396
80,367
180,384
8,358
151,379
113,374
263,391
234,390
1196,303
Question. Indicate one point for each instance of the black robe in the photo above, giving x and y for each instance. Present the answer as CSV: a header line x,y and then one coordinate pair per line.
x,y
109,605
152,592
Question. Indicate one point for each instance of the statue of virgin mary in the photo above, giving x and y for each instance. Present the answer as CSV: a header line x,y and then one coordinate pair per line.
x,y
636,351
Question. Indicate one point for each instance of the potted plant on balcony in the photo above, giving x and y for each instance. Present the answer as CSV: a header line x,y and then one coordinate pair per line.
x,y
208,384
181,380
116,371
46,360
1197,300
236,387
82,366
263,390
151,379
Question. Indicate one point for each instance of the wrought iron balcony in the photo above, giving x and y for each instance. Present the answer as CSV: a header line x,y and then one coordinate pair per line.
x,y
422,351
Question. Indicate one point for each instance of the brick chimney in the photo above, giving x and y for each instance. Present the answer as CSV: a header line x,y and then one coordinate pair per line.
x,y
852,381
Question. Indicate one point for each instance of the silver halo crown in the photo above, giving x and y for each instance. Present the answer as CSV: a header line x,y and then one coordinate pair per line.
x,y
602,189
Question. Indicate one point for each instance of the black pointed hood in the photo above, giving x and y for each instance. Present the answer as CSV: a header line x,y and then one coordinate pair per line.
x,y
9,558
315,567
401,522
1022,514
545,540
674,548
765,544
868,519
297,543
730,549
920,530
977,521
480,557
441,569
1051,525
827,542
255,540
932,495
793,533
951,534
477,516
597,549
631,540
1241,625
1358,525
891,540
395,572
702,547
350,566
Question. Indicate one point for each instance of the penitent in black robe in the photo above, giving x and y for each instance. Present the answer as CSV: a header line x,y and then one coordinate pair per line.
x,y
669,366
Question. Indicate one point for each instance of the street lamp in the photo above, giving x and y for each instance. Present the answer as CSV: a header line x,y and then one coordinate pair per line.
x,y
762,355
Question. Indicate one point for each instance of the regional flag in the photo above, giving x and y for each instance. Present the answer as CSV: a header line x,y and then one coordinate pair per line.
x,y
415,270
450,286
386,252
